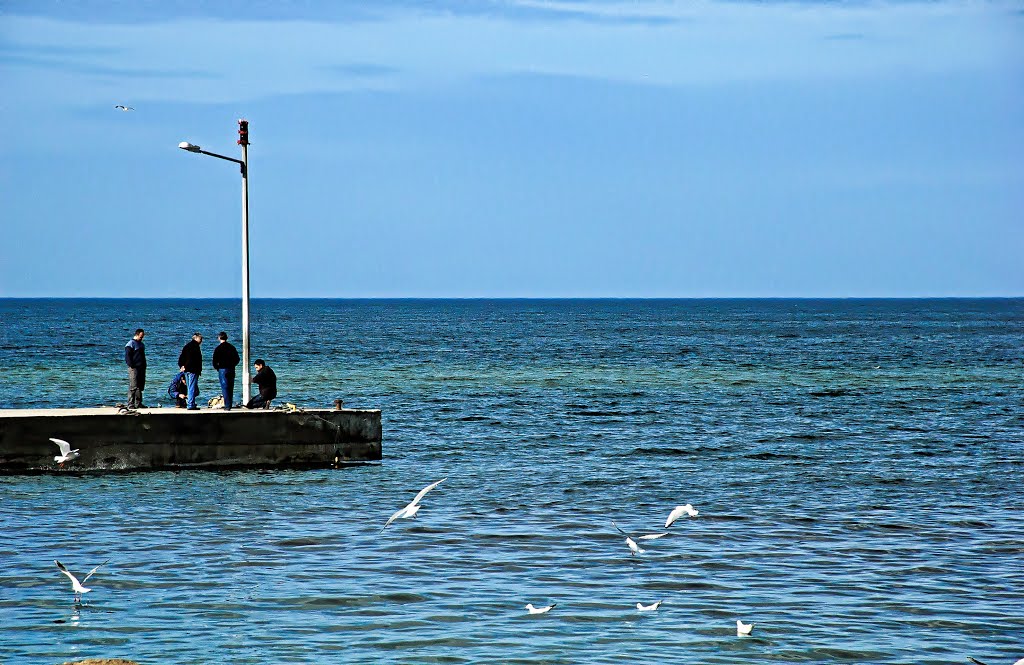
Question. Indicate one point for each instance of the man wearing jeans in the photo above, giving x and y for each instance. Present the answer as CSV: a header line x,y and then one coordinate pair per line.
x,y
225,360
191,362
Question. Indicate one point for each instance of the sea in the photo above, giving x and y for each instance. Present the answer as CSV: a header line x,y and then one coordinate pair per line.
x,y
857,465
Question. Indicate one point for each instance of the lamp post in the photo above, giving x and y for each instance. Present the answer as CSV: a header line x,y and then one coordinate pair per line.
x,y
243,140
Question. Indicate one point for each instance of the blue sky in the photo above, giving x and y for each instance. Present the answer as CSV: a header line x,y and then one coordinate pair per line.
x,y
503,149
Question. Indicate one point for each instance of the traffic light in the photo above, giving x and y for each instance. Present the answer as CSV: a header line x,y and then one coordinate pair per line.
x,y
243,132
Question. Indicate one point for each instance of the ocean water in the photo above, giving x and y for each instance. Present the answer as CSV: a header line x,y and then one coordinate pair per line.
x,y
858,466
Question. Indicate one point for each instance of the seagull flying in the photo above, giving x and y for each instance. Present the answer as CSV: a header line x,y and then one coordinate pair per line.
x,y
633,547
539,610
66,454
76,586
414,505
121,107
678,512
743,629
653,607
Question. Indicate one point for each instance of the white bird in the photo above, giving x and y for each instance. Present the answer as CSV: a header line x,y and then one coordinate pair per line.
x,y
539,610
653,536
66,454
649,536
678,512
121,107
633,547
76,586
653,607
414,505
743,629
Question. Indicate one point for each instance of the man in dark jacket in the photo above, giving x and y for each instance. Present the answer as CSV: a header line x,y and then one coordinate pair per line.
x,y
190,360
267,381
225,360
135,358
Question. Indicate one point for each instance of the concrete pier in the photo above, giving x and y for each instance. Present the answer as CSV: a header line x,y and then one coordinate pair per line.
x,y
110,439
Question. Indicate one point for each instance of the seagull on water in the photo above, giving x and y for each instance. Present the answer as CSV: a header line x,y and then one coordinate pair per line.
x,y
413,507
978,662
678,512
66,454
121,107
76,586
633,547
653,607
743,629
539,610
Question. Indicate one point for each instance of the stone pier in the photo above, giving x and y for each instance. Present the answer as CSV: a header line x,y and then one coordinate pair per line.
x,y
110,439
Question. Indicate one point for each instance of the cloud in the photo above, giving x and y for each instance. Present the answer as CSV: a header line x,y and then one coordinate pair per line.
x,y
362,70
639,43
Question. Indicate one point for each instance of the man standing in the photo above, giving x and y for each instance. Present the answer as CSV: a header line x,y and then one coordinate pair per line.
x,y
135,358
225,360
191,362
267,381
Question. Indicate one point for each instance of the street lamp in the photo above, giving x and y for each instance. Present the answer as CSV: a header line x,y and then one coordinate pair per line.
x,y
243,140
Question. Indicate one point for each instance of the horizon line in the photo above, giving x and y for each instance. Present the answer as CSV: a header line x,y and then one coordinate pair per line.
x,y
985,297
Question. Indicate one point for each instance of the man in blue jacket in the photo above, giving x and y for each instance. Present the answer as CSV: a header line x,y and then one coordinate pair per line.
x,y
135,358
178,390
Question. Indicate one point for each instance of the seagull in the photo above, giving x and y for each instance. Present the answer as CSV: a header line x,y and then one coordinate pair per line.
x,y
678,512
653,607
633,547
413,506
539,610
66,454
743,629
978,662
121,107
76,586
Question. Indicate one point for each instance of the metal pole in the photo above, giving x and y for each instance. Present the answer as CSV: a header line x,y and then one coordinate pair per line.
x,y
246,380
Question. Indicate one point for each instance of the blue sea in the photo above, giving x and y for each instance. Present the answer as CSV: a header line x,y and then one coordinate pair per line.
x,y
858,466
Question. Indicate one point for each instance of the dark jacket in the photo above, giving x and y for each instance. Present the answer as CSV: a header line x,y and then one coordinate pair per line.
x,y
267,381
135,354
225,356
177,386
191,358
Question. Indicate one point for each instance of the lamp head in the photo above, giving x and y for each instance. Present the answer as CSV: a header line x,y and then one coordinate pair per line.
x,y
185,145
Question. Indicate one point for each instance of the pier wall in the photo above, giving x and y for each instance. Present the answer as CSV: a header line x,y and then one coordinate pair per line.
x,y
149,439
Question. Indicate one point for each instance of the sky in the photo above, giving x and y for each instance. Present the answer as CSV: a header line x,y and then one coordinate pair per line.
x,y
506,148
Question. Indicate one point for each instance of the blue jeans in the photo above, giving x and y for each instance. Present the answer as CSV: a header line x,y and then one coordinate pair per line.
x,y
227,386
192,381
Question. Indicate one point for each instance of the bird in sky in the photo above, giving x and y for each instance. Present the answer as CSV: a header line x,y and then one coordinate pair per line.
x,y
66,454
743,629
413,507
539,610
121,107
678,512
76,586
653,607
